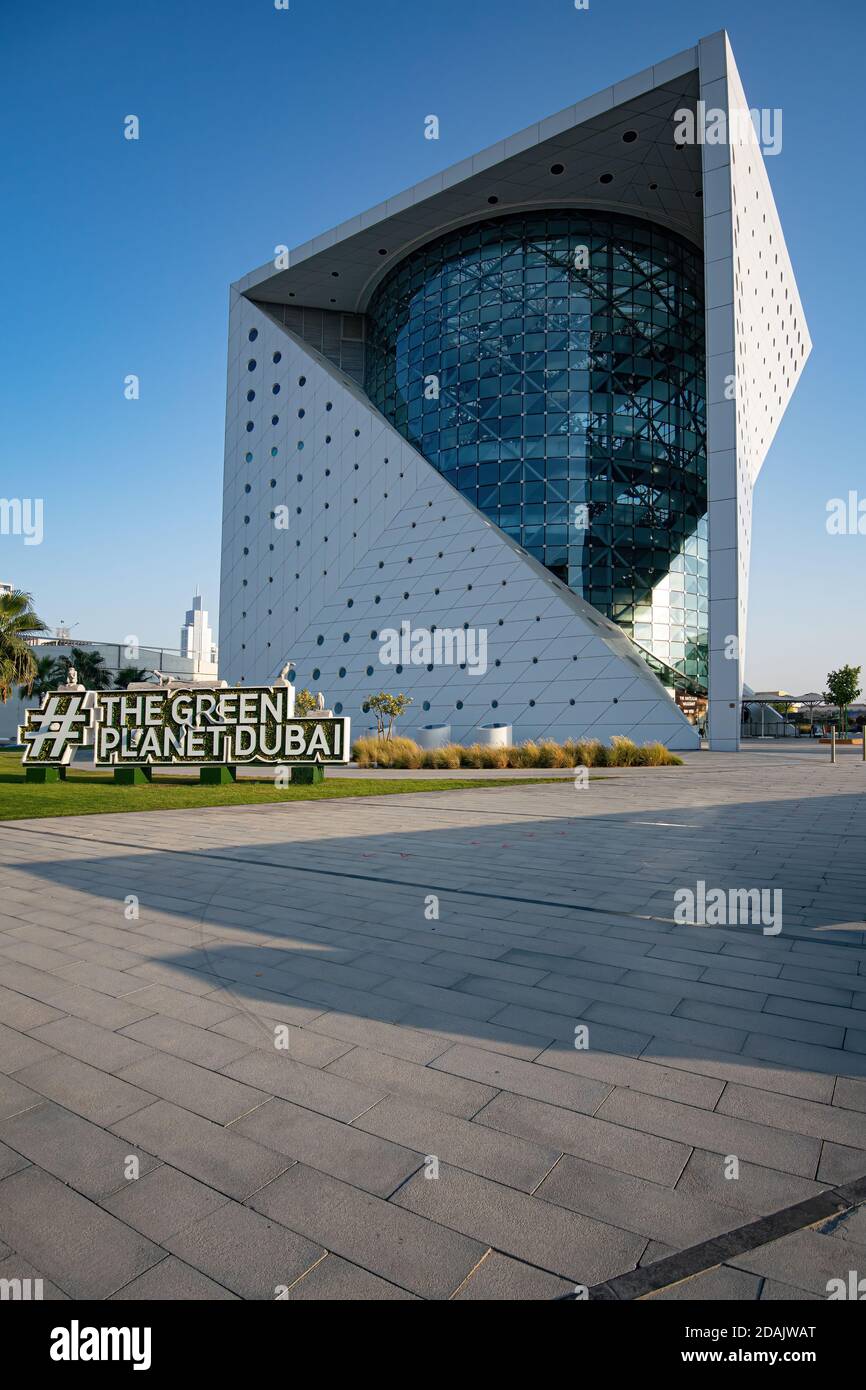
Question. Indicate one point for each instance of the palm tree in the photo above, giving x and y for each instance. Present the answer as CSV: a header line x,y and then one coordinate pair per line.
x,y
93,673
49,673
130,675
18,621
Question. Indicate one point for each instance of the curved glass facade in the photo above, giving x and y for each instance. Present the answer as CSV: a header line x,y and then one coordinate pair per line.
x,y
552,367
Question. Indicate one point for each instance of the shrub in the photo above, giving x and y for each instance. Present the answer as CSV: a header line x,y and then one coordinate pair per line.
x,y
623,752
448,756
371,751
492,757
549,754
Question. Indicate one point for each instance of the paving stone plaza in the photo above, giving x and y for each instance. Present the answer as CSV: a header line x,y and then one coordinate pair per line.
x,y
328,1050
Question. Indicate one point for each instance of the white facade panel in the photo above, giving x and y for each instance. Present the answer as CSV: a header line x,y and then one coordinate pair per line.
x,y
377,538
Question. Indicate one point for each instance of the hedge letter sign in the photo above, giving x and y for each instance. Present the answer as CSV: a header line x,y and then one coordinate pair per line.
x,y
181,727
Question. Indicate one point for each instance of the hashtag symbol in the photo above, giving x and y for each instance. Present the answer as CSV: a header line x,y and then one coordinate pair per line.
x,y
50,733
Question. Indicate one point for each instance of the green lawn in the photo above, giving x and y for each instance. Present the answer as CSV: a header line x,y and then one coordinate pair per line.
x,y
92,793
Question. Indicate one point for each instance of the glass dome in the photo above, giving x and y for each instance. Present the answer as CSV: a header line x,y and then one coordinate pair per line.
x,y
552,367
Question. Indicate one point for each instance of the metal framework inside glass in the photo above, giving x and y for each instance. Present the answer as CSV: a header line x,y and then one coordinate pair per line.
x,y
552,367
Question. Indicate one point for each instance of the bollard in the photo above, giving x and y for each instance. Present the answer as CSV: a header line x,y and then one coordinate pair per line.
x,y
833,744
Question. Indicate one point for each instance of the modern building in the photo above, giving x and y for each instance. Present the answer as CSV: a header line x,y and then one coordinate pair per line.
x,y
521,407
196,638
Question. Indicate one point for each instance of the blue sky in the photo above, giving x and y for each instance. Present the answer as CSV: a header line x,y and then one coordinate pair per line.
x,y
261,127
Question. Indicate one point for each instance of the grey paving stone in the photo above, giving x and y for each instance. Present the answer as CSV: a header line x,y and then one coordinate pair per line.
x,y
20,1011
832,1014
683,1027
19,1050
850,1227
330,1146
464,1005
99,977
14,1097
72,1149
840,1164
758,1191
808,1056
527,1228
426,1085
204,1011
258,1031
323,1091
493,1036
723,1284
172,1280
850,1094
702,989
202,1046
502,1157
333,1278
14,1267
545,958
215,1156
757,1143
648,1208
99,1047
499,1277
772,1290
327,996
392,1039
84,1250
524,1078
417,1254
94,1094
802,1116
395,967
162,1202
561,1027
782,987
805,1259
494,969
638,1074
755,1021
10,1161
195,1088
730,1066
66,997
626,1150
244,1251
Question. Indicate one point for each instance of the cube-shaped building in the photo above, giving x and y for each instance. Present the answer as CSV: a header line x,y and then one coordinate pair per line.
x,y
493,443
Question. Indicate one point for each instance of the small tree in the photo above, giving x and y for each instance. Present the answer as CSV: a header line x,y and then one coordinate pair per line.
x,y
93,673
305,702
49,673
130,675
18,624
387,707
842,690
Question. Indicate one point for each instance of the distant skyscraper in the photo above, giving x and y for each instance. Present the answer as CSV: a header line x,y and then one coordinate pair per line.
x,y
196,637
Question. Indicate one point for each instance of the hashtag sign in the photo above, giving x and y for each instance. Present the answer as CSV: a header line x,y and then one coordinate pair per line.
x,y
51,733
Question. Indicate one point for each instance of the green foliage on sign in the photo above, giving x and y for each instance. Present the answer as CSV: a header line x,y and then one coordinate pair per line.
x,y
305,703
